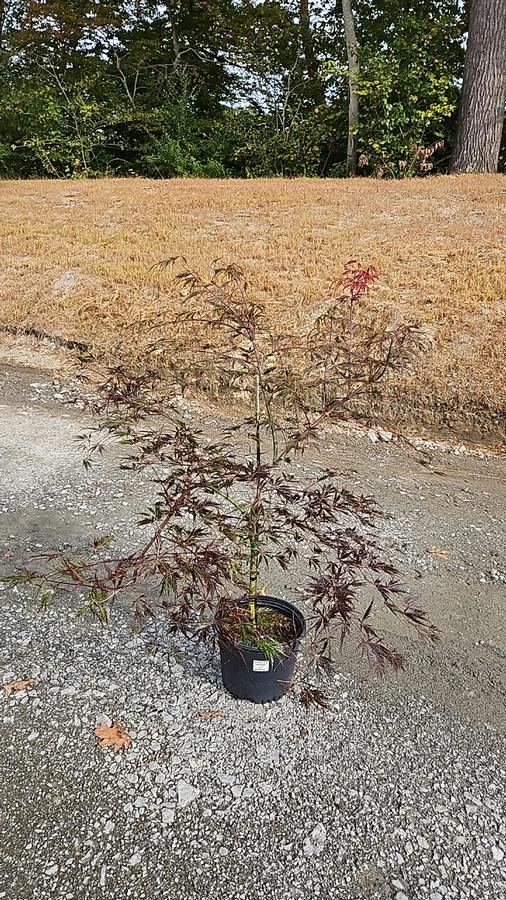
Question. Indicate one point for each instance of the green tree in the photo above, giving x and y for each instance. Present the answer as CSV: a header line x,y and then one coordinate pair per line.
x,y
224,87
411,57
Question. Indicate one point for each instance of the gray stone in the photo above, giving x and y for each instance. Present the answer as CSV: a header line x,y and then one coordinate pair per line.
x,y
168,816
103,719
65,282
186,793
315,842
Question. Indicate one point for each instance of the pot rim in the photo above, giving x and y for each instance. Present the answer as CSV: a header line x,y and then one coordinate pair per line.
x,y
279,605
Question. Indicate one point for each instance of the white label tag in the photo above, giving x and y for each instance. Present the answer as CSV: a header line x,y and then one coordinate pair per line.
x,y
260,665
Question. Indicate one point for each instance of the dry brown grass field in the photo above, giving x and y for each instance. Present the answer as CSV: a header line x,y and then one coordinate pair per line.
x,y
76,262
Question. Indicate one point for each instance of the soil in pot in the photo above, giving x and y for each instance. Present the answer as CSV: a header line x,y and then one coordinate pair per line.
x,y
257,663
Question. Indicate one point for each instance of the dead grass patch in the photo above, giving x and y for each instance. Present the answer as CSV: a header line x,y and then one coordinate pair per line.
x,y
76,261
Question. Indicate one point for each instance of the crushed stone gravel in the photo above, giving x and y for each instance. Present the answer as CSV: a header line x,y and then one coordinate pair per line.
x,y
393,793
364,801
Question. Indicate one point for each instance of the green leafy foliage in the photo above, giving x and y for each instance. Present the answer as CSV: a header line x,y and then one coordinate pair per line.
x,y
236,88
407,85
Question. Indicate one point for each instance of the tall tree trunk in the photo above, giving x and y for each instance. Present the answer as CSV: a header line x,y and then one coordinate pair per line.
x,y
481,113
309,53
176,45
353,69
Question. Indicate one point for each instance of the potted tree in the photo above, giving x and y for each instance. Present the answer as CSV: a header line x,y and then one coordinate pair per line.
x,y
229,509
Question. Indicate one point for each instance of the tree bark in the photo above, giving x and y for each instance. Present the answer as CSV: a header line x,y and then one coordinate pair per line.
x,y
481,112
353,70
176,45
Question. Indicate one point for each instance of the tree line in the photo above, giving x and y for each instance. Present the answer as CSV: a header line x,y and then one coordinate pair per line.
x,y
251,88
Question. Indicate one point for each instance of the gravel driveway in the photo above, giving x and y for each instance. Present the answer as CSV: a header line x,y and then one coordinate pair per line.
x,y
397,792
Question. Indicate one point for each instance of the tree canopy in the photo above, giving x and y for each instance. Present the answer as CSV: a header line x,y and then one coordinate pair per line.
x,y
225,87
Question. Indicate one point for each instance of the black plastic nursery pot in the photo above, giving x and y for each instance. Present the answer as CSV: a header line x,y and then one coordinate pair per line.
x,y
247,673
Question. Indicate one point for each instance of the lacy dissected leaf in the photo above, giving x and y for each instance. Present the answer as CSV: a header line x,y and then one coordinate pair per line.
x,y
115,736
311,696
13,686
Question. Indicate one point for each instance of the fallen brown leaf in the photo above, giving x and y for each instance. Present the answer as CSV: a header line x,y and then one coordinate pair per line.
x,y
210,713
115,736
12,686
438,552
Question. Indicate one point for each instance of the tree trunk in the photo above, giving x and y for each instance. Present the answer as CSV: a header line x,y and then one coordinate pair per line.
x,y
481,113
353,69
309,53
176,45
